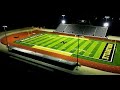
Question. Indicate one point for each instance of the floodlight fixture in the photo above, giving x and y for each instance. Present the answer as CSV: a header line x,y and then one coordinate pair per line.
x,y
63,15
4,26
63,21
107,17
106,24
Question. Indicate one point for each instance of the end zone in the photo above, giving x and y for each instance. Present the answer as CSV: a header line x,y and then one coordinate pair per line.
x,y
108,52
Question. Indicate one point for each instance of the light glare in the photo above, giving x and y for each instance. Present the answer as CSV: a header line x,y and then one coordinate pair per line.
x,y
63,21
106,24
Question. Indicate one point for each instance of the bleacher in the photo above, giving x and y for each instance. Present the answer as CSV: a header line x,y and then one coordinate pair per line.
x,y
101,31
61,27
87,30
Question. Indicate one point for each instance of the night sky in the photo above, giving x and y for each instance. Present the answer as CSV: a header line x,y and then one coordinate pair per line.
x,y
18,16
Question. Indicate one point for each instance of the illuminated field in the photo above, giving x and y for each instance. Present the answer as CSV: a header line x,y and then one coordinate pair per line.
x,y
89,49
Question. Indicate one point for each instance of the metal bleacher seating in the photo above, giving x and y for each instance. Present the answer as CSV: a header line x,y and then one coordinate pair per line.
x,y
88,30
61,27
101,31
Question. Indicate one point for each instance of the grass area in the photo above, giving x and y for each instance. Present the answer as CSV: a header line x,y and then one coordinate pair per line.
x,y
88,48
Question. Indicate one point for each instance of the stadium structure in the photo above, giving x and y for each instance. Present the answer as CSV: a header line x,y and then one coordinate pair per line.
x,y
72,48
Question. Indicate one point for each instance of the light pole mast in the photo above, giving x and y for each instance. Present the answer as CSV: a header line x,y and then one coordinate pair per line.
x,y
5,35
106,24
63,16
78,51
107,17
63,19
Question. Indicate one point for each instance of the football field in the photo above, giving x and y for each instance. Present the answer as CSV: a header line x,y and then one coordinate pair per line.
x,y
89,49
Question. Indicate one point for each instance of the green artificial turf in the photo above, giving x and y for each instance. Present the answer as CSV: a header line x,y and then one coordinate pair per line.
x,y
88,49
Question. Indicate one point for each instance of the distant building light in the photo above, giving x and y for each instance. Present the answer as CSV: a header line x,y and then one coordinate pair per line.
x,y
106,24
96,18
82,20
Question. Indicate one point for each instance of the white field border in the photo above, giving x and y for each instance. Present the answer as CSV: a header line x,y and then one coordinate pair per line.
x,y
113,53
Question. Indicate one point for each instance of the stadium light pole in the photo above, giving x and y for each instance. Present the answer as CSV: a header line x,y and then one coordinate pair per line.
x,y
63,16
5,34
107,17
78,51
106,24
63,19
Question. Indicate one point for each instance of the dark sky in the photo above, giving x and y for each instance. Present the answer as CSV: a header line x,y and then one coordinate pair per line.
x,y
22,15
